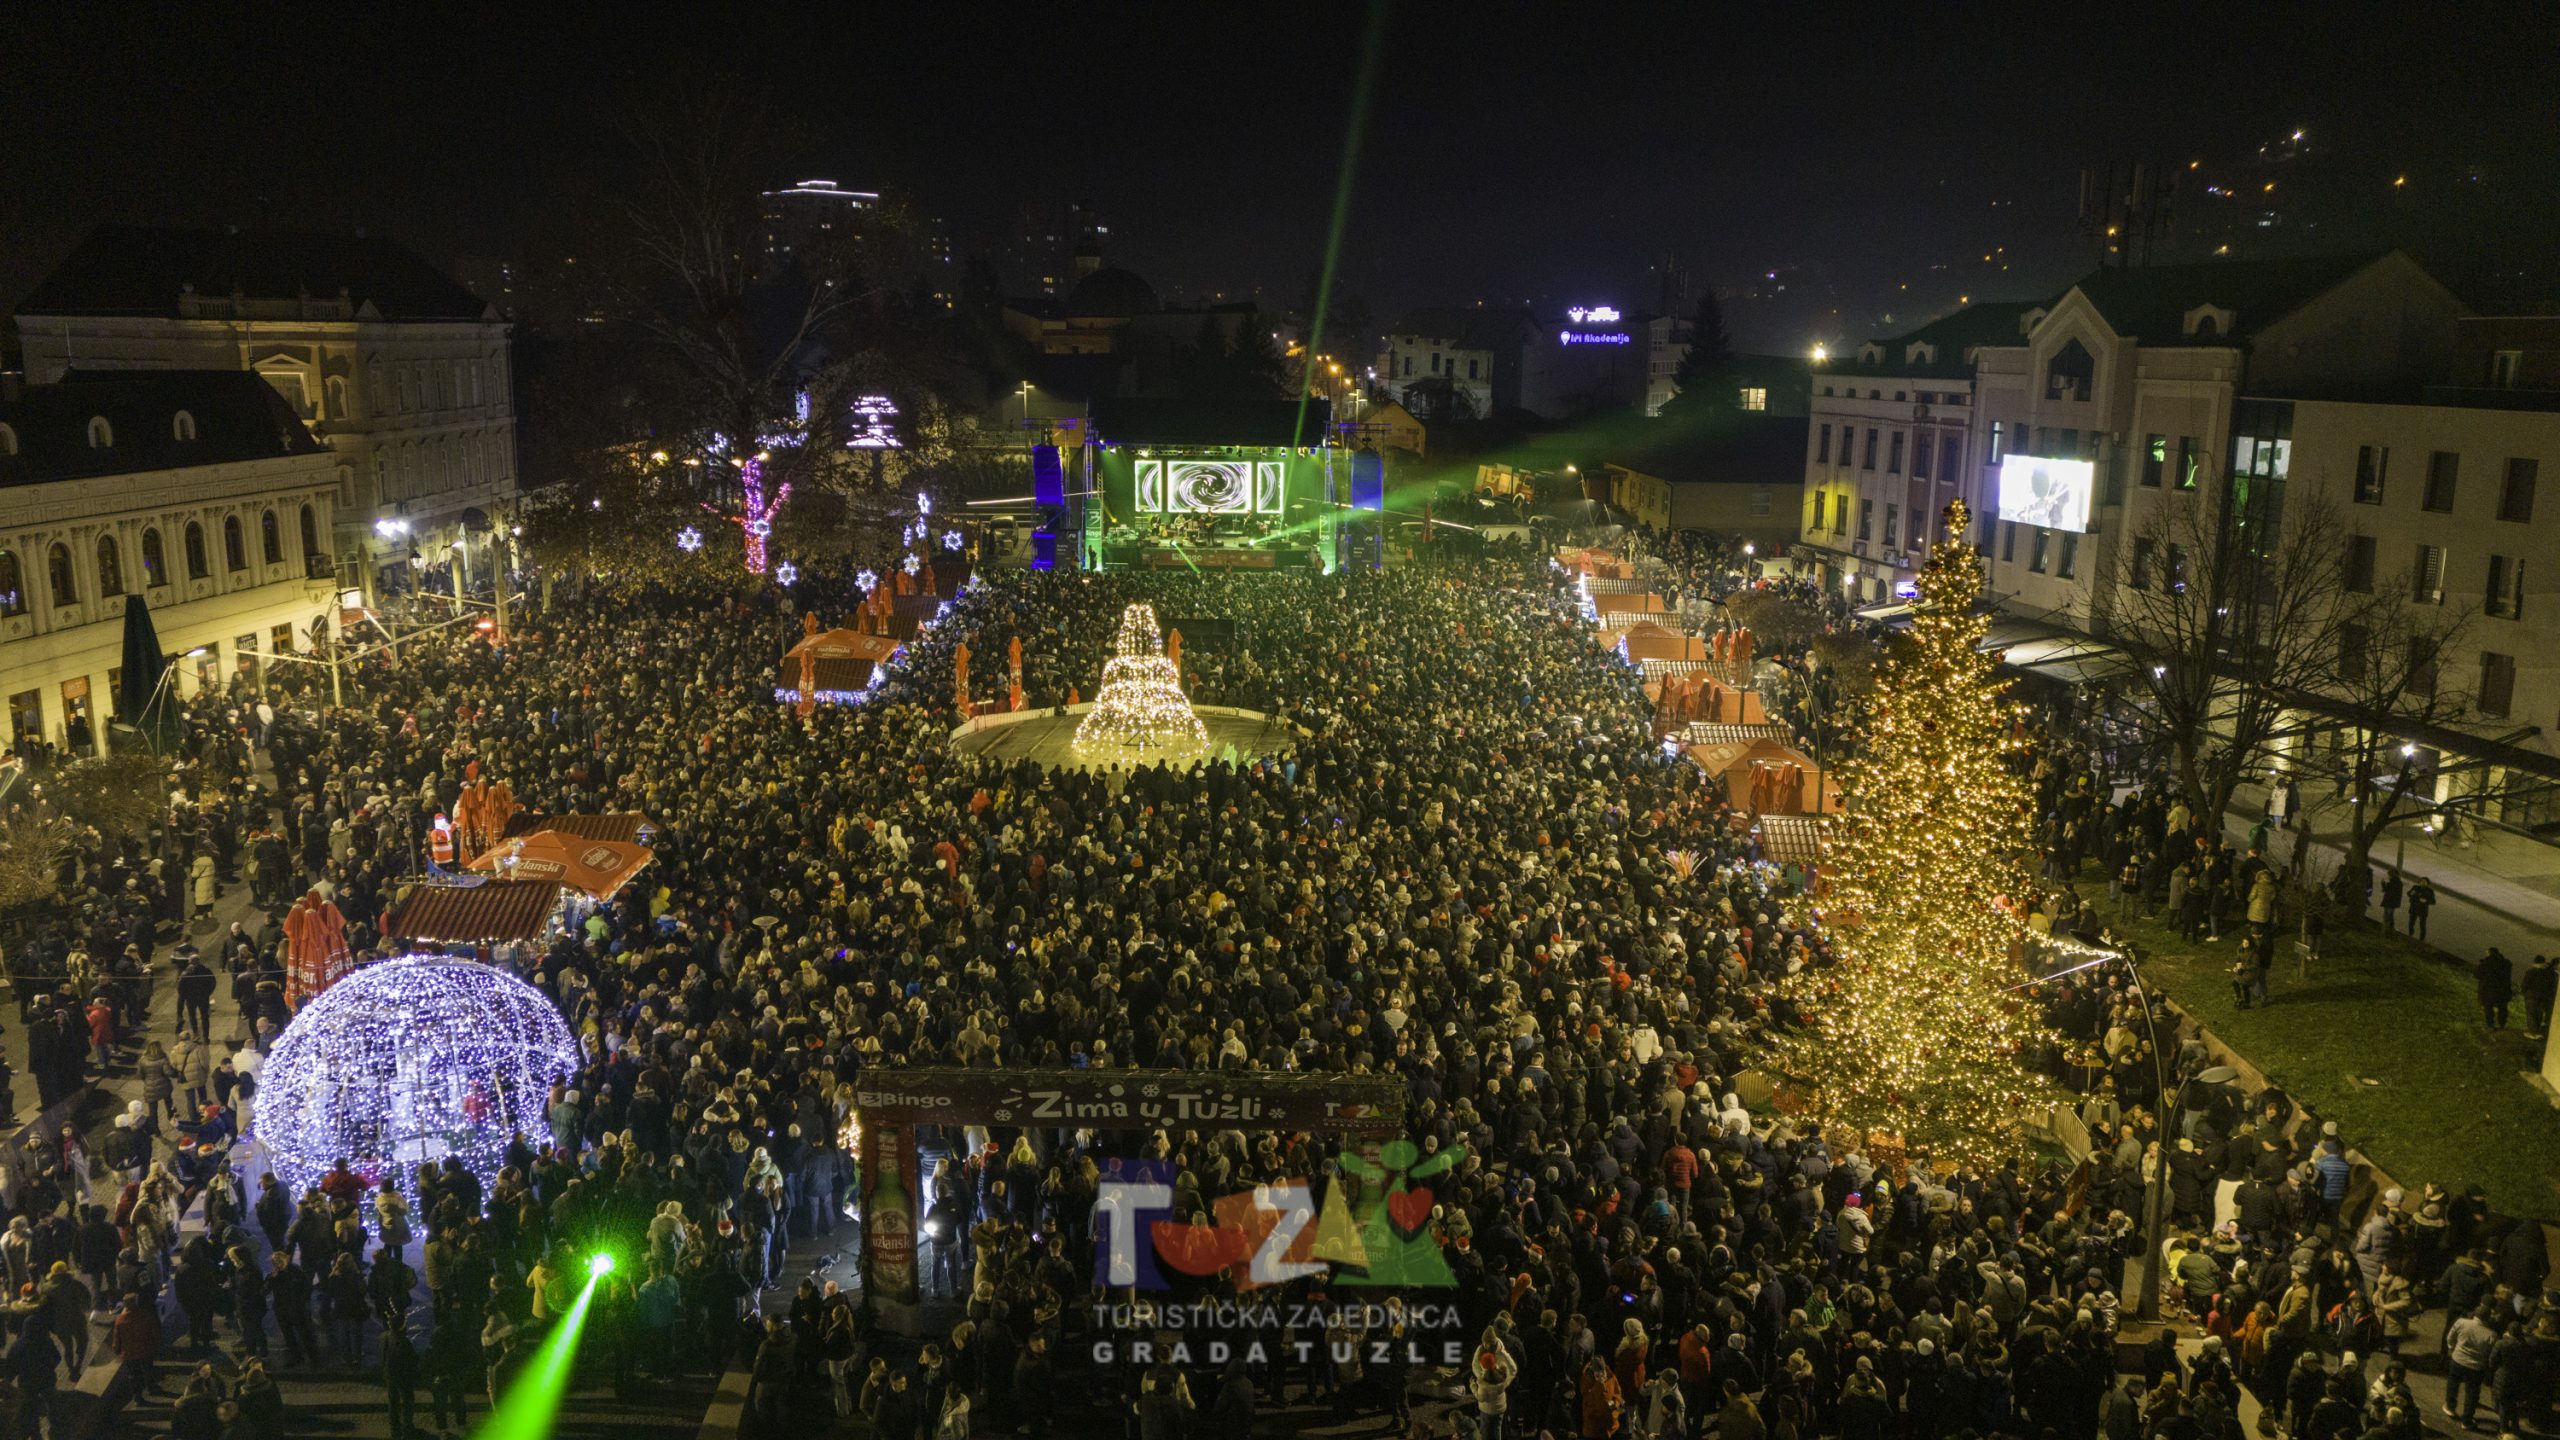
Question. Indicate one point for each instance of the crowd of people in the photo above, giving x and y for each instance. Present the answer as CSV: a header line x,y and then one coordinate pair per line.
x,y
1476,871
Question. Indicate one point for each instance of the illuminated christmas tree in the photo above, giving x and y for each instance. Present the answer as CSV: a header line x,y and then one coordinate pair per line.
x,y
1140,713
1916,1028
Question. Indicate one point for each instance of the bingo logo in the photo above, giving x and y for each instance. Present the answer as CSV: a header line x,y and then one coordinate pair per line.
x,y
1278,1232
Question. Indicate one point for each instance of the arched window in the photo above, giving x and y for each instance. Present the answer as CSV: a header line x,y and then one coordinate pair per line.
x,y
2067,376
270,543
183,426
310,534
235,545
334,389
197,569
155,560
102,436
8,441
110,568
57,565
13,595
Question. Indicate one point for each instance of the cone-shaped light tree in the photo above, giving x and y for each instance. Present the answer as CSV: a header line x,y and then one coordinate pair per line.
x,y
1140,713
1917,1027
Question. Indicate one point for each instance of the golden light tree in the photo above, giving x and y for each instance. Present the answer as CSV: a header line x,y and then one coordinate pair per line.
x,y
1916,1028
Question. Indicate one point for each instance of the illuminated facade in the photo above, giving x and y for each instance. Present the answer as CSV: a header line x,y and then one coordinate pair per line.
x,y
400,372
195,490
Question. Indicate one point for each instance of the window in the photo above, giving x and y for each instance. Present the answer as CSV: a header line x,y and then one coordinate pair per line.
x,y
1819,500
310,535
235,548
102,436
1760,500
13,595
1869,463
2355,652
2068,373
2362,556
197,569
2070,555
1893,454
1473,370
2515,494
2497,683
1435,362
2190,462
1866,519
1892,527
57,565
2504,366
155,561
270,543
1993,454
2504,598
8,441
182,426
2423,665
2145,552
2043,546
1920,456
2155,460
2025,443
280,640
2009,543
2373,463
1755,397
1822,453
2426,582
2175,576
335,390
110,568
2444,468
1950,455
1840,517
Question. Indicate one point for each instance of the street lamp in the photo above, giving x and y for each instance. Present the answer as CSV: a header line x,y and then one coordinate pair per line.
x,y
1025,392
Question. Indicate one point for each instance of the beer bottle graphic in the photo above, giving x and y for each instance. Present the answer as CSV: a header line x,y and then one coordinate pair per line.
x,y
889,1220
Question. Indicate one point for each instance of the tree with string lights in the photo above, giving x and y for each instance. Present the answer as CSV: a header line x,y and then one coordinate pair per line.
x,y
1916,1030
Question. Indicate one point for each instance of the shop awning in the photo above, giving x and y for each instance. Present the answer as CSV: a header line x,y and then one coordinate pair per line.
x,y
490,912
594,868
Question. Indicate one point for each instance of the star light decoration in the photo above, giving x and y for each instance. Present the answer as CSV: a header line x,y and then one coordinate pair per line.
x,y
951,540
407,1061
688,539
1917,1028
1140,712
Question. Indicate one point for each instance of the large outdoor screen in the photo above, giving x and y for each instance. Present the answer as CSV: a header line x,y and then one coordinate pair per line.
x,y
1210,487
2051,494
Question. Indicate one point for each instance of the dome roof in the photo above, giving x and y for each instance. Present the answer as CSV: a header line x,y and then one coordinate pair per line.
x,y
1112,292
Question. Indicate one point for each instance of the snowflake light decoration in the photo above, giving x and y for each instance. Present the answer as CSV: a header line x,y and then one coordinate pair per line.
x,y
688,539
924,504
951,540
408,1061
913,563
786,573
867,581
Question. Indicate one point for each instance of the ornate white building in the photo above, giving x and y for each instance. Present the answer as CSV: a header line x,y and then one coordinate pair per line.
x,y
200,491
400,371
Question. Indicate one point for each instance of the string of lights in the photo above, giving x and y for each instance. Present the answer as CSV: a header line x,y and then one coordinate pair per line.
x,y
1915,1030
1140,710
406,1061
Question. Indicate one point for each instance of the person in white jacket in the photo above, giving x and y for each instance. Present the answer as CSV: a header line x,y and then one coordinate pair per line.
x,y
1490,1375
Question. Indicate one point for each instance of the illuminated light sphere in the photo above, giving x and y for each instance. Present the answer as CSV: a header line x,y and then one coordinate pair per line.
x,y
913,564
786,573
867,581
411,1060
688,539
951,540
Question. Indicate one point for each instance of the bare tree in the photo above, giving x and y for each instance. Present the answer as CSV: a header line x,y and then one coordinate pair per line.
x,y
1778,623
2230,615
2388,685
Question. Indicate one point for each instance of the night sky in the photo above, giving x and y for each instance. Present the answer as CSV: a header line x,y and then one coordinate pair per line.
x,y
1549,156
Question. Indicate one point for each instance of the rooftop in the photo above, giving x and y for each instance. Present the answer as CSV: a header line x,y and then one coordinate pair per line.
x,y
144,270
236,417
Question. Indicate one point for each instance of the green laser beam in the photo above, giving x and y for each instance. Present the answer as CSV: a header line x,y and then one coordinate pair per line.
x,y
533,1402
1371,47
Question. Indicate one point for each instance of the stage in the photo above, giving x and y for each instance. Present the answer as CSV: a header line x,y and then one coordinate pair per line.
x,y
1047,737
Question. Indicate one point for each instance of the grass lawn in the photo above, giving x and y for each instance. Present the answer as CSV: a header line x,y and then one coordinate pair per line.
x,y
2385,1038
